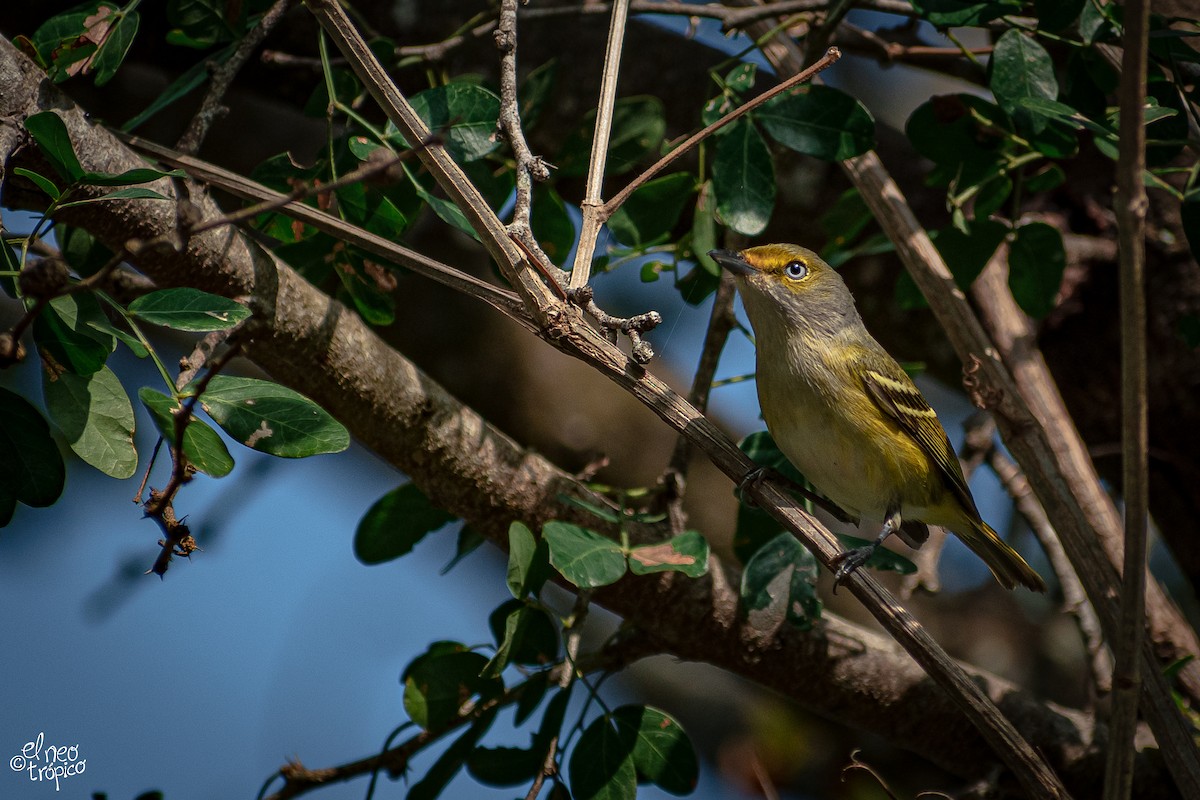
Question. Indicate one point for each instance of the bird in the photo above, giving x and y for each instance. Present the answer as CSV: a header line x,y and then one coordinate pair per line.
x,y
848,416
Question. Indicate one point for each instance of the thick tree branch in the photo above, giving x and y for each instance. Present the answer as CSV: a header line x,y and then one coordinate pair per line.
x,y
314,345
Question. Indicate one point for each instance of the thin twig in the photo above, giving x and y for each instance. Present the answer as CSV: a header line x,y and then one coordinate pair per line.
x,y
1131,227
222,77
592,202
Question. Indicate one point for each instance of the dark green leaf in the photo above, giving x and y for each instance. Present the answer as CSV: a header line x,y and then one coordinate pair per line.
x,y
1055,15
116,44
41,181
193,77
686,553
371,209
469,540
528,562
129,176
652,211
1036,261
991,196
345,87
966,254
437,685
1093,23
187,309
741,77
601,766
201,23
495,184
605,513
452,759
960,13
468,111
395,523
448,212
819,121
1022,68
848,217
202,445
662,753
272,418
1189,213
524,635
583,557
762,450
63,331
532,692
534,92
704,233
963,135
131,193
50,133
1189,329
62,41
697,285
881,558
8,504
82,251
95,416
504,766
744,179
638,126
552,225
1048,178
368,283
783,572
31,468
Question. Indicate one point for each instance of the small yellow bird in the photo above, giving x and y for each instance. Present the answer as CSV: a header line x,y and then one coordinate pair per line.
x,y
848,417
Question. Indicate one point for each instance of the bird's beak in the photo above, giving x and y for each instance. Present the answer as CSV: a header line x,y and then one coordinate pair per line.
x,y
731,261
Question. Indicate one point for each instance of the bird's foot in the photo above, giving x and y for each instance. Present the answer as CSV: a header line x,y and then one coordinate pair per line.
x,y
753,480
846,563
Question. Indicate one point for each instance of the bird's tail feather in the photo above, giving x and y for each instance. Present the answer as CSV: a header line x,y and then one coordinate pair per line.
x,y
1005,563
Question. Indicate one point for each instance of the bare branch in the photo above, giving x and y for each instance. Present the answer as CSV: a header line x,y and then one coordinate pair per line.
x,y
1135,445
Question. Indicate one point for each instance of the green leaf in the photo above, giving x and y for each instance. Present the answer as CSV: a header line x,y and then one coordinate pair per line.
x,y
552,225
583,557
819,121
783,571
601,766
41,181
63,41
662,752
96,417
1048,178
50,133
744,179
528,562
438,683
1188,326
1021,68
638,127
991,196
960,13
272,418
966,254
63,331
31,468
741,77
202,446
187,309
686,553
368,283
846,219
83,252
466,113
652,211
1036,261
704,233
535,689
762,450
131,193
395,523
881,558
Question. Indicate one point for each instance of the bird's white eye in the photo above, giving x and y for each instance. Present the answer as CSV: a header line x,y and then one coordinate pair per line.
x,y
796,270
